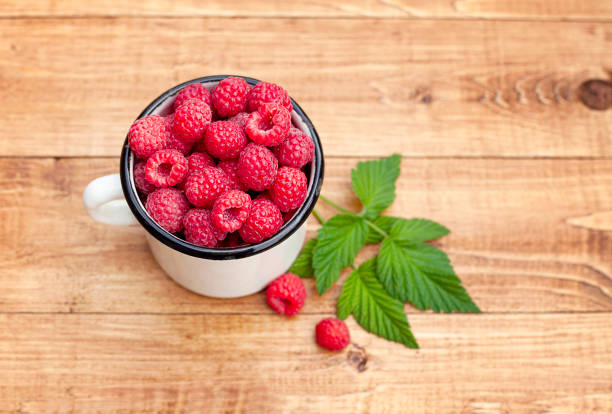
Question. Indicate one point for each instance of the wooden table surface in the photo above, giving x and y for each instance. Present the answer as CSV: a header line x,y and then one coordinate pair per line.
x,y
482,99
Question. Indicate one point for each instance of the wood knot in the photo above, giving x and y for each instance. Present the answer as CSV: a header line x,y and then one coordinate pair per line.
x,y
596,94
426,99
358,358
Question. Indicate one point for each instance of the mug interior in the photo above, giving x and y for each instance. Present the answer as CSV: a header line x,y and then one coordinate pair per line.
x,y
162,106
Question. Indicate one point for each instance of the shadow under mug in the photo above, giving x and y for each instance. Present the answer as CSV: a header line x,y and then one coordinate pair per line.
x,y
216,272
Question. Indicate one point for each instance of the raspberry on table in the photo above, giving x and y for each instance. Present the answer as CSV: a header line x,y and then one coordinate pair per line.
x,y
147,136
231,210
174,142
257,167
167,206
230,167
333,334
296,150
239,119
199,160
166,168
193,91
204,186
230,96
264,221
265,92
289,189
268,125
224,140
140,180
286,294
199,228
191,120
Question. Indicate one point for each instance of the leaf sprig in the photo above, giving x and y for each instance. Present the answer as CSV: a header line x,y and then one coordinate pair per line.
x,y
406,269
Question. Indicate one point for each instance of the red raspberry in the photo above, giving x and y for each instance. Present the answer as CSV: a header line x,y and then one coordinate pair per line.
x,y
230,168
265,92
193,91
166,168
333,334
204,186
147,136
140,180
191,120
233,240
167,206
199,160
230,96
215,116
289,189
288,215
286,294
269,125
296,150
199,146
199,228
174,142
257,167
224,140
264,196
196,161
239,119
231,210
265,220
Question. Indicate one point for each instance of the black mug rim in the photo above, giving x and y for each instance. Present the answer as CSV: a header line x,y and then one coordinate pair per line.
x,y
185,247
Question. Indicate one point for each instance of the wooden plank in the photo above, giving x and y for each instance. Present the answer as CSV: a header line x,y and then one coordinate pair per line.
x,y
237,363
476,88
551,9
523,239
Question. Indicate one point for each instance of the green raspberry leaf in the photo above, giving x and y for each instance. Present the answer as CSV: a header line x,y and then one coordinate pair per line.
x,y
414,229
347,301
303,263
340,239
374,183
418,273
349,297
418,230
373,308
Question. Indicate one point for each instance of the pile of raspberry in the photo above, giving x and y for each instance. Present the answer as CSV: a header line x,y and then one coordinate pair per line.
x,y
224,169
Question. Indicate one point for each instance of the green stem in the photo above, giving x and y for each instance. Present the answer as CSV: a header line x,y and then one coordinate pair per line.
x,y
342,209
318,216
377,229
334,205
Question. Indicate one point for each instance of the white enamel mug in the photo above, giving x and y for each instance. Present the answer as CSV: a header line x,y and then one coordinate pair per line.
x,y
216,272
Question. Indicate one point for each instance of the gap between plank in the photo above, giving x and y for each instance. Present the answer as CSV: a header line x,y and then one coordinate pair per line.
x,y
590,19
301,313
407,157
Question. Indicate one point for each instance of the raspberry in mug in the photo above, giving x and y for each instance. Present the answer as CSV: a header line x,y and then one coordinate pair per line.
x,y
225,165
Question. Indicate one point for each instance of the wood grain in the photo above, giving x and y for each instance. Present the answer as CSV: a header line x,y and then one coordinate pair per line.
x,y
477,88
548,10
515,241
237,364
481,97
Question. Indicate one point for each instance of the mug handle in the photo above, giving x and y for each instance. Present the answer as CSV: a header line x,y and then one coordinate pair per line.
x,y
103,198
